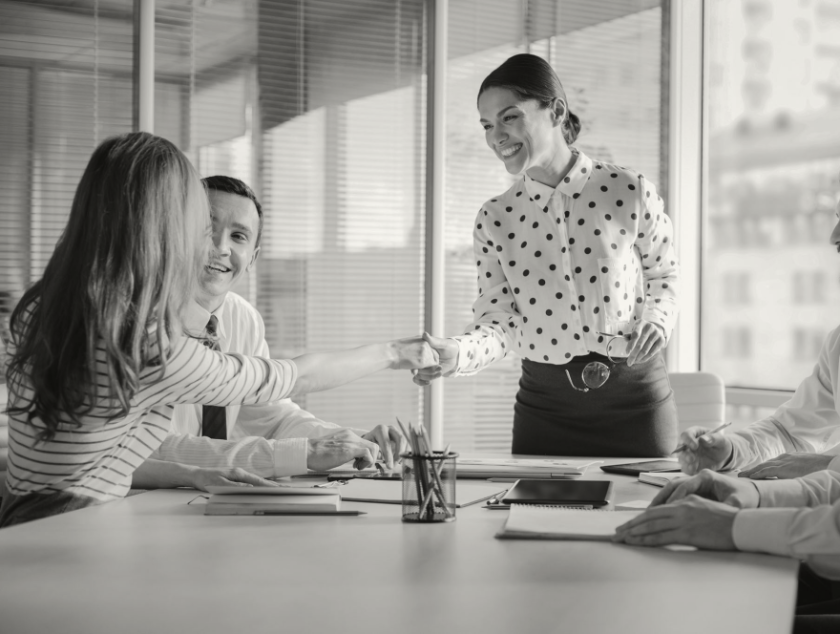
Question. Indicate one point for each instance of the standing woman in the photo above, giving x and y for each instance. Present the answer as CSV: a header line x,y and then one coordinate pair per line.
x,y
98,357
577,274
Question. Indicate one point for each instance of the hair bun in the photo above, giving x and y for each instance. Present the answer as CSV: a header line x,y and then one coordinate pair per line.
x,y
573,128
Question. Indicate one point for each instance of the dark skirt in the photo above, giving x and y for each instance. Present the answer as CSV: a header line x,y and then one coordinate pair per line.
x,y
632,415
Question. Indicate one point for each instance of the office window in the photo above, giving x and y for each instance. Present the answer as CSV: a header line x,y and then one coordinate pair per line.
x,y
66,71
320,106
806,345
608,56
773,80
736,288
736,343
809,287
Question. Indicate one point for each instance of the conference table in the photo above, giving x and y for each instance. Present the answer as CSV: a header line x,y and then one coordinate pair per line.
x,y
154,563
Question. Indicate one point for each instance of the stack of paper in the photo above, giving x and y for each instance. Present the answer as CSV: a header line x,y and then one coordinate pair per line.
x,y
553,522
521,468
231,500
659,479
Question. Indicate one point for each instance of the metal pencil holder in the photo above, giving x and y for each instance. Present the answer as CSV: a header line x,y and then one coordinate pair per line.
x,y
428,487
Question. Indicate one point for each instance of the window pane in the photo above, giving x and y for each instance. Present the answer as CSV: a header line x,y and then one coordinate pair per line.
x,y
66,75
770,292
608,56
319,105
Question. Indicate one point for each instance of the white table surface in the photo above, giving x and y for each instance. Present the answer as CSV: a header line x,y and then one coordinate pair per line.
x,y
151,563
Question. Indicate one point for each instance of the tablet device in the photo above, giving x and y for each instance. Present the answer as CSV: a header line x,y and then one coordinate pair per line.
x,y
635,468
560,492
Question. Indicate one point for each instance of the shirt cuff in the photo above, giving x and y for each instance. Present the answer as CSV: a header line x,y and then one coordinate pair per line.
x,y
290,456
738,457
780,493
764,530
834,465
461,369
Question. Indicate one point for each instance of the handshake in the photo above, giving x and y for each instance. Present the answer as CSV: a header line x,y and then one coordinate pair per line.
x,y
427,357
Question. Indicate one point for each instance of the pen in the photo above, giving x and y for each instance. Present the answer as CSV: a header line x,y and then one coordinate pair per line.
x,y
683,446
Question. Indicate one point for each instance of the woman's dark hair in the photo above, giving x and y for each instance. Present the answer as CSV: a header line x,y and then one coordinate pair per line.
x,y
118,278
531,77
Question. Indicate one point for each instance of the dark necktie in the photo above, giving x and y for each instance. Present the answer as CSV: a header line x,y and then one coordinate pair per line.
x,y
213,421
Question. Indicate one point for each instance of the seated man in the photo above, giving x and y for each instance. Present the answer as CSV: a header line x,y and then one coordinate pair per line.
x,y
795,518
273,440
801,437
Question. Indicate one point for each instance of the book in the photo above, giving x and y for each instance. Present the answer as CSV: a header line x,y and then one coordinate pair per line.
x,y
271,500
521,468
659,479
389,492
528,521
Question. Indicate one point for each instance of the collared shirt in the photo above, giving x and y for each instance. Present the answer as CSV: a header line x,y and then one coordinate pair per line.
x,y
794,519
558,266
97,457
809,422
269,440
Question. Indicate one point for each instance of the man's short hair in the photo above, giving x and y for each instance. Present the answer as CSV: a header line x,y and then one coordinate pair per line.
x,y
230,185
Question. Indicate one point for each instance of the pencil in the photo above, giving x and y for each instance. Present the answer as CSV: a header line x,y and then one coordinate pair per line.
x,y
683,446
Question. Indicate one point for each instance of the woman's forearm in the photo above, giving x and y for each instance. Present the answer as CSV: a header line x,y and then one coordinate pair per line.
x,y
325,370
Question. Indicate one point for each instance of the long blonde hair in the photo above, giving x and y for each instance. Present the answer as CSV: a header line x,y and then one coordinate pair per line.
x,y
119,276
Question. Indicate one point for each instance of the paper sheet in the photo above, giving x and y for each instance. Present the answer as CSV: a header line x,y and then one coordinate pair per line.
x,y
547,521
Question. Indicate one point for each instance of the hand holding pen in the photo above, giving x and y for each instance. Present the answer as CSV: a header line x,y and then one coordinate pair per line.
x,y
701,448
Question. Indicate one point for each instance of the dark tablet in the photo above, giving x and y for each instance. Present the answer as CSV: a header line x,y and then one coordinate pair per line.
x,y
559,492
635,468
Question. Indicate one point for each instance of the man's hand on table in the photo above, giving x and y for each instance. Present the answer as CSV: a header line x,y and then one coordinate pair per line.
x,y
693,521
390,442
788,465
339,447
236,477
712,486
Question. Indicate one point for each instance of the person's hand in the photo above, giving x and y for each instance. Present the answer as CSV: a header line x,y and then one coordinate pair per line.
x,y
236,477
788,465
390,442
412,353
339,447
703,450
713,486
646,341
693,521
447,351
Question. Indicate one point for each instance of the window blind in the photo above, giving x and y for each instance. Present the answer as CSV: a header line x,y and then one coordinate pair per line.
x,y
66,70
319,106
343,120
608,57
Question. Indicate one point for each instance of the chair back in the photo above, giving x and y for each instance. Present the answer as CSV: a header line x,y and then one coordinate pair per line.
x,y
700,399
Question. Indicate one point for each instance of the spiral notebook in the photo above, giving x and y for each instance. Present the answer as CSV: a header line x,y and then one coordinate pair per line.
x,y
556,522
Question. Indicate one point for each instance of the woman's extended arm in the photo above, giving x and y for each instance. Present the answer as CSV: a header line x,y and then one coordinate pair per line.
x,y
324,370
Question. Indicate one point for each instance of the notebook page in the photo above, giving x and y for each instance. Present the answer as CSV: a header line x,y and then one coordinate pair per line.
x,y
545,520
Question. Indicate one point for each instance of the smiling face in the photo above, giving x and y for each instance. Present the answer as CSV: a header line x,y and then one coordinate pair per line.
x,y
522,134
234,250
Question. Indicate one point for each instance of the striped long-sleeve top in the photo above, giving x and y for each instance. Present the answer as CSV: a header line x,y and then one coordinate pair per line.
x,y
98,458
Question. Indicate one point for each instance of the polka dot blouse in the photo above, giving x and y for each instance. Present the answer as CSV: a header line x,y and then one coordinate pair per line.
x,y
556,266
